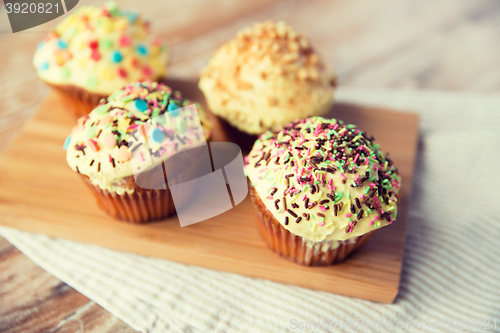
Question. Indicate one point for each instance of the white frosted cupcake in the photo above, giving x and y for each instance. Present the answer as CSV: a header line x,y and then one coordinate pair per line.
x,y
321,188
96,51
138,123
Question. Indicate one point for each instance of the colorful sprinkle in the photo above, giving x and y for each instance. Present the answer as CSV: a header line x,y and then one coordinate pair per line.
x,y
173,109
44,66
181,125
102,109
123,154
116,56
109,140
66,142
65,72
92,81
125,41
95,55
61,44
90,132
140,105
141,50
157,135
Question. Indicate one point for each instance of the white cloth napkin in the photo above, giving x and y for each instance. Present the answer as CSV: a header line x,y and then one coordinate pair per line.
x,y
451,267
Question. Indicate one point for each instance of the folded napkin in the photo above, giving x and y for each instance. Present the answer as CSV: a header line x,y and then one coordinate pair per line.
x,y
451,266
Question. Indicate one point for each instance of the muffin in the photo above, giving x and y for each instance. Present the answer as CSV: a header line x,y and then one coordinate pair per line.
x,y
265,78
96,51
321,189
126,139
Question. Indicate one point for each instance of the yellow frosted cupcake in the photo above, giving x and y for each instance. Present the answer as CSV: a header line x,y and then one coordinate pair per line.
x,y
321,189
96,51
139,124
265,78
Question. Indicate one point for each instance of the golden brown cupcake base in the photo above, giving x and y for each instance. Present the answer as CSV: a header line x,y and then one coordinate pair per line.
x,y
138,207
77,100
293,247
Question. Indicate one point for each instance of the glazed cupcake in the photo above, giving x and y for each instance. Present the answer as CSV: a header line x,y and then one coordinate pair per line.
x,y
96,51
126,139
321,189
265,78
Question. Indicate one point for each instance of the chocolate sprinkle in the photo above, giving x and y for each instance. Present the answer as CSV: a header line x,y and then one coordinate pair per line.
x,y
137,146
358,204
312,205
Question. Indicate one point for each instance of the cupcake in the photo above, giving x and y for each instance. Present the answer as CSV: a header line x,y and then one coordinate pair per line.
x,y
125,139
96,51
321,189
265,78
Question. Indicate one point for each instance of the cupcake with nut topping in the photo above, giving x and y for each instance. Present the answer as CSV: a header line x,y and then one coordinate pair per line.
x,y
321,189
119,149
265,78
96,51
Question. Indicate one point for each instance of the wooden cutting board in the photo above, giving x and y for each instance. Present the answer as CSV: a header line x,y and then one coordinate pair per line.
x,y
40,193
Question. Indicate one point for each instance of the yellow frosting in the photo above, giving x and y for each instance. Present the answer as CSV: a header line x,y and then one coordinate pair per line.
x,y
331,167
101,50
136,108
265,78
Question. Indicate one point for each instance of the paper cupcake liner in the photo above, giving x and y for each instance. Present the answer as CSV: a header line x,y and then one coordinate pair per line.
x,y
77,100
141,206
295,248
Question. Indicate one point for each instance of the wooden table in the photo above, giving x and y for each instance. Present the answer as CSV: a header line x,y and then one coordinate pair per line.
x,y
414,44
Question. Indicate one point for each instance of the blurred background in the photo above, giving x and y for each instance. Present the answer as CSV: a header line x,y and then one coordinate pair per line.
x,y
412,44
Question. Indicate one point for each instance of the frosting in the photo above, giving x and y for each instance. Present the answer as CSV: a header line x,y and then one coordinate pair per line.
x,y
265,78
324,180
101,50
103,143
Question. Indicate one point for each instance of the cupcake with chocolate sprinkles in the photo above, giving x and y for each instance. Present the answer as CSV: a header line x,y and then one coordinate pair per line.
x,y
321,189
266,77
128,137
97,50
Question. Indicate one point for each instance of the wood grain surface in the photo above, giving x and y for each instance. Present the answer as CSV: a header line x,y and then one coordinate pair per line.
x,y
430,44
32,300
